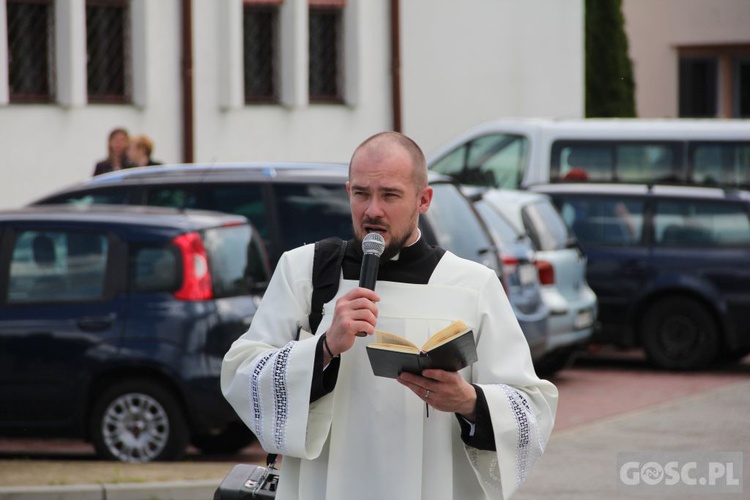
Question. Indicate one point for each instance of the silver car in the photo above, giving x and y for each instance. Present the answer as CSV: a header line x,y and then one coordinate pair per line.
x,y
561,265
519,276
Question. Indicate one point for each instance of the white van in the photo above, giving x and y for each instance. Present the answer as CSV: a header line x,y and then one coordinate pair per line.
x,y
521,152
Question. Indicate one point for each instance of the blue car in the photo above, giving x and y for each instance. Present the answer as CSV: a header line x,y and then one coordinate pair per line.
x,y
669,264
114,322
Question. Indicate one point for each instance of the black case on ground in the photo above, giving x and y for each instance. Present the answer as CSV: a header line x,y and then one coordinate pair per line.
x,y
247,481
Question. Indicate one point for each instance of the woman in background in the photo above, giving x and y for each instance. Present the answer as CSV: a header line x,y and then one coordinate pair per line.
x,y
139,151
117,158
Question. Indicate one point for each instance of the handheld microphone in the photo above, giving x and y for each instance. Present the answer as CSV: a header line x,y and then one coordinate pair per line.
x,y
373,246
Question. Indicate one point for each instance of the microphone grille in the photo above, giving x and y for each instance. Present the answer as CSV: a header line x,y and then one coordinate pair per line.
x,y
374,244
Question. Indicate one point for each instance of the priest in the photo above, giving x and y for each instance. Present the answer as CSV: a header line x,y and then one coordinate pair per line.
x,y
345,433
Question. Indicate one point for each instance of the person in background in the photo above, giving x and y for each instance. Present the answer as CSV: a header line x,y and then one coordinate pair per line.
x,y
345,433
139,151
117,147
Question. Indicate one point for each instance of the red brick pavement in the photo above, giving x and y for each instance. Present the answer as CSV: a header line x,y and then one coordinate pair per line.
x,y
610,384
598,386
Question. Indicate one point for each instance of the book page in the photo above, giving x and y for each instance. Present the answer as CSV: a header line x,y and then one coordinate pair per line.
x,y
392,338
394,347
453,330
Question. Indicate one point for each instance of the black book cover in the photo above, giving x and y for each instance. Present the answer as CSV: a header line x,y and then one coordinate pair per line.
x,y
454,351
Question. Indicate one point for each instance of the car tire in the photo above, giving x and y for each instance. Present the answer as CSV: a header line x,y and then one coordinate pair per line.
x,y
680,333
231,440
556,361
138,421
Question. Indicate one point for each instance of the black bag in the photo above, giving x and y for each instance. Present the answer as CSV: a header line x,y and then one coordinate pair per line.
x,y
329,254
246,481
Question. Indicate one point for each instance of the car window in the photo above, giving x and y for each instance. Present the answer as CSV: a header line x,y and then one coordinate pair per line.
x,y
312,211
458,228
544,226
496,160
154,268
242,199
604,221
623,161
722,163
236,259
701,223
111,196
57,266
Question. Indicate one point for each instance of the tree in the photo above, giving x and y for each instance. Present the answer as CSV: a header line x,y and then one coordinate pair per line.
x,y
610,88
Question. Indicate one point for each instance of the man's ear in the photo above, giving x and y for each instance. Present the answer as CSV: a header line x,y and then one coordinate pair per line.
x,y
425,198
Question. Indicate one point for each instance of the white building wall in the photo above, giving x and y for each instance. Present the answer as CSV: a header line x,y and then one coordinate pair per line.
x,y
477,60
657,28
297,130
462,63
44,147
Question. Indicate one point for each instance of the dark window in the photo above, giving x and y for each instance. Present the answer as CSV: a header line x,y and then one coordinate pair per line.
x,y
310,212
260,41
57,266
154,269
241,199
108,50
325,47
31,50
742,88
699,80
116,196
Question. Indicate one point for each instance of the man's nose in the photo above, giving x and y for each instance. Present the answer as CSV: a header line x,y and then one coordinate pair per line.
x,y
374,208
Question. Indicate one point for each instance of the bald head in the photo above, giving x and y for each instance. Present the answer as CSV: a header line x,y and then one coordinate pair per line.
x,y
382,146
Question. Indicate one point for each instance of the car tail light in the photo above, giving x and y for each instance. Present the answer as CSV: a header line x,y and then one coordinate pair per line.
x,y
196,278
546,272
510,268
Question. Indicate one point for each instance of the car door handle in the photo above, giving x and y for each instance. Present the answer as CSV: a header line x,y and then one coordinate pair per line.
x,y
96,323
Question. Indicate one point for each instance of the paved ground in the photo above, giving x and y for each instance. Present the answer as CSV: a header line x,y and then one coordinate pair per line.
x,y
609,404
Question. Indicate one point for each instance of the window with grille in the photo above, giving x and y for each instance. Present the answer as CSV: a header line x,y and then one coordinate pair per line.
x,y
108,51
31,61
261,54
325,45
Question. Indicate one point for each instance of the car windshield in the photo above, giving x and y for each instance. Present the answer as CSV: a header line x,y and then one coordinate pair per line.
x,y
458,228
506,233
545,226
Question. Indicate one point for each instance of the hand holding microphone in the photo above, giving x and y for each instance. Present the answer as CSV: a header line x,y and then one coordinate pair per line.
x,y
373,246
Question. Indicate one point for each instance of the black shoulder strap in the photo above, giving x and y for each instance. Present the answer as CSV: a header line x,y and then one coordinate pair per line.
x,y
329,253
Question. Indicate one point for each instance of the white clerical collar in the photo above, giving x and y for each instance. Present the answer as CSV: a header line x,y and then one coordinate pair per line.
x,y
419,235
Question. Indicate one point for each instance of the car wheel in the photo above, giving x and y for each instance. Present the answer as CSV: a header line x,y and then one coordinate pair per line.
x,y
555,361
231,440
138,421
680,333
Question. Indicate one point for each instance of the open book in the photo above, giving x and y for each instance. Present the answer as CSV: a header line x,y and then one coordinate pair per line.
x,y
450,349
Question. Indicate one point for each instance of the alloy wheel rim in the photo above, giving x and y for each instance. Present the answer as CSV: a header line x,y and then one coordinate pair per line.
x,y
135,428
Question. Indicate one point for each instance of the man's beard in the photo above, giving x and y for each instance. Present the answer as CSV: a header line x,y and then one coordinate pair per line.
x,y
392,249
